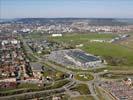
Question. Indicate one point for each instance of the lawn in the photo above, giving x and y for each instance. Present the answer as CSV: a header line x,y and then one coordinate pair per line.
x,y
83,89
84,77
83,98
57,84
53,73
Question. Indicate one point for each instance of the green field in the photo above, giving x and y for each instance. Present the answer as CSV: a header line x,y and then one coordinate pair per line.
x,y
115,54
81,38
83,89
83,98
128,43
84,77
57,84
29,87
35,36
116,75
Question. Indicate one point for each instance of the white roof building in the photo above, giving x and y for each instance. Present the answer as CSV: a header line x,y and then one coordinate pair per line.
x,y
55,35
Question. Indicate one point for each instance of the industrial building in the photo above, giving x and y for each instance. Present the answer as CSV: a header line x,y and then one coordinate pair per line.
x,y
75,57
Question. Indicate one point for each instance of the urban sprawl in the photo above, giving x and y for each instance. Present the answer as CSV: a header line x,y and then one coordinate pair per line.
x,y
60,59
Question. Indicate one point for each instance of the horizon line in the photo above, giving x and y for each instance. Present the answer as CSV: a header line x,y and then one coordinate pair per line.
x,y
72,17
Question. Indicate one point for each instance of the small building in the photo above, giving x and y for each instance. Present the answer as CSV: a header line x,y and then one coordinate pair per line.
x,y
56,35
56,98
8,80
128,81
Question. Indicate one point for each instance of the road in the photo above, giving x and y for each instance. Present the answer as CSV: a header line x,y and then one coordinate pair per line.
x,y
91,84
30,94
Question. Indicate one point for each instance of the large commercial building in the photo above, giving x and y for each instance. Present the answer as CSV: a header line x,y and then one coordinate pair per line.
x,y
75,57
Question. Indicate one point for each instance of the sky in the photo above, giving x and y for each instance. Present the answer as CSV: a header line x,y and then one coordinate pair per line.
x,y
66,8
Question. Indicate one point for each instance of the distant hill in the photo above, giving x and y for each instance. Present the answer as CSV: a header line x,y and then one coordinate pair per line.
x,y
7,20
128,20
90,21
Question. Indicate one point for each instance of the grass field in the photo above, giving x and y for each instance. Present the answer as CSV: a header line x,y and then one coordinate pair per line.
x,y
84,77
122,55
81,38
116,75
114,53
99,93
83,98
83,89
35,36
57,84
128,43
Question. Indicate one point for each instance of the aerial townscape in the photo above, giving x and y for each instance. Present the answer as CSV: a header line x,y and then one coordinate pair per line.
x,y
65,58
